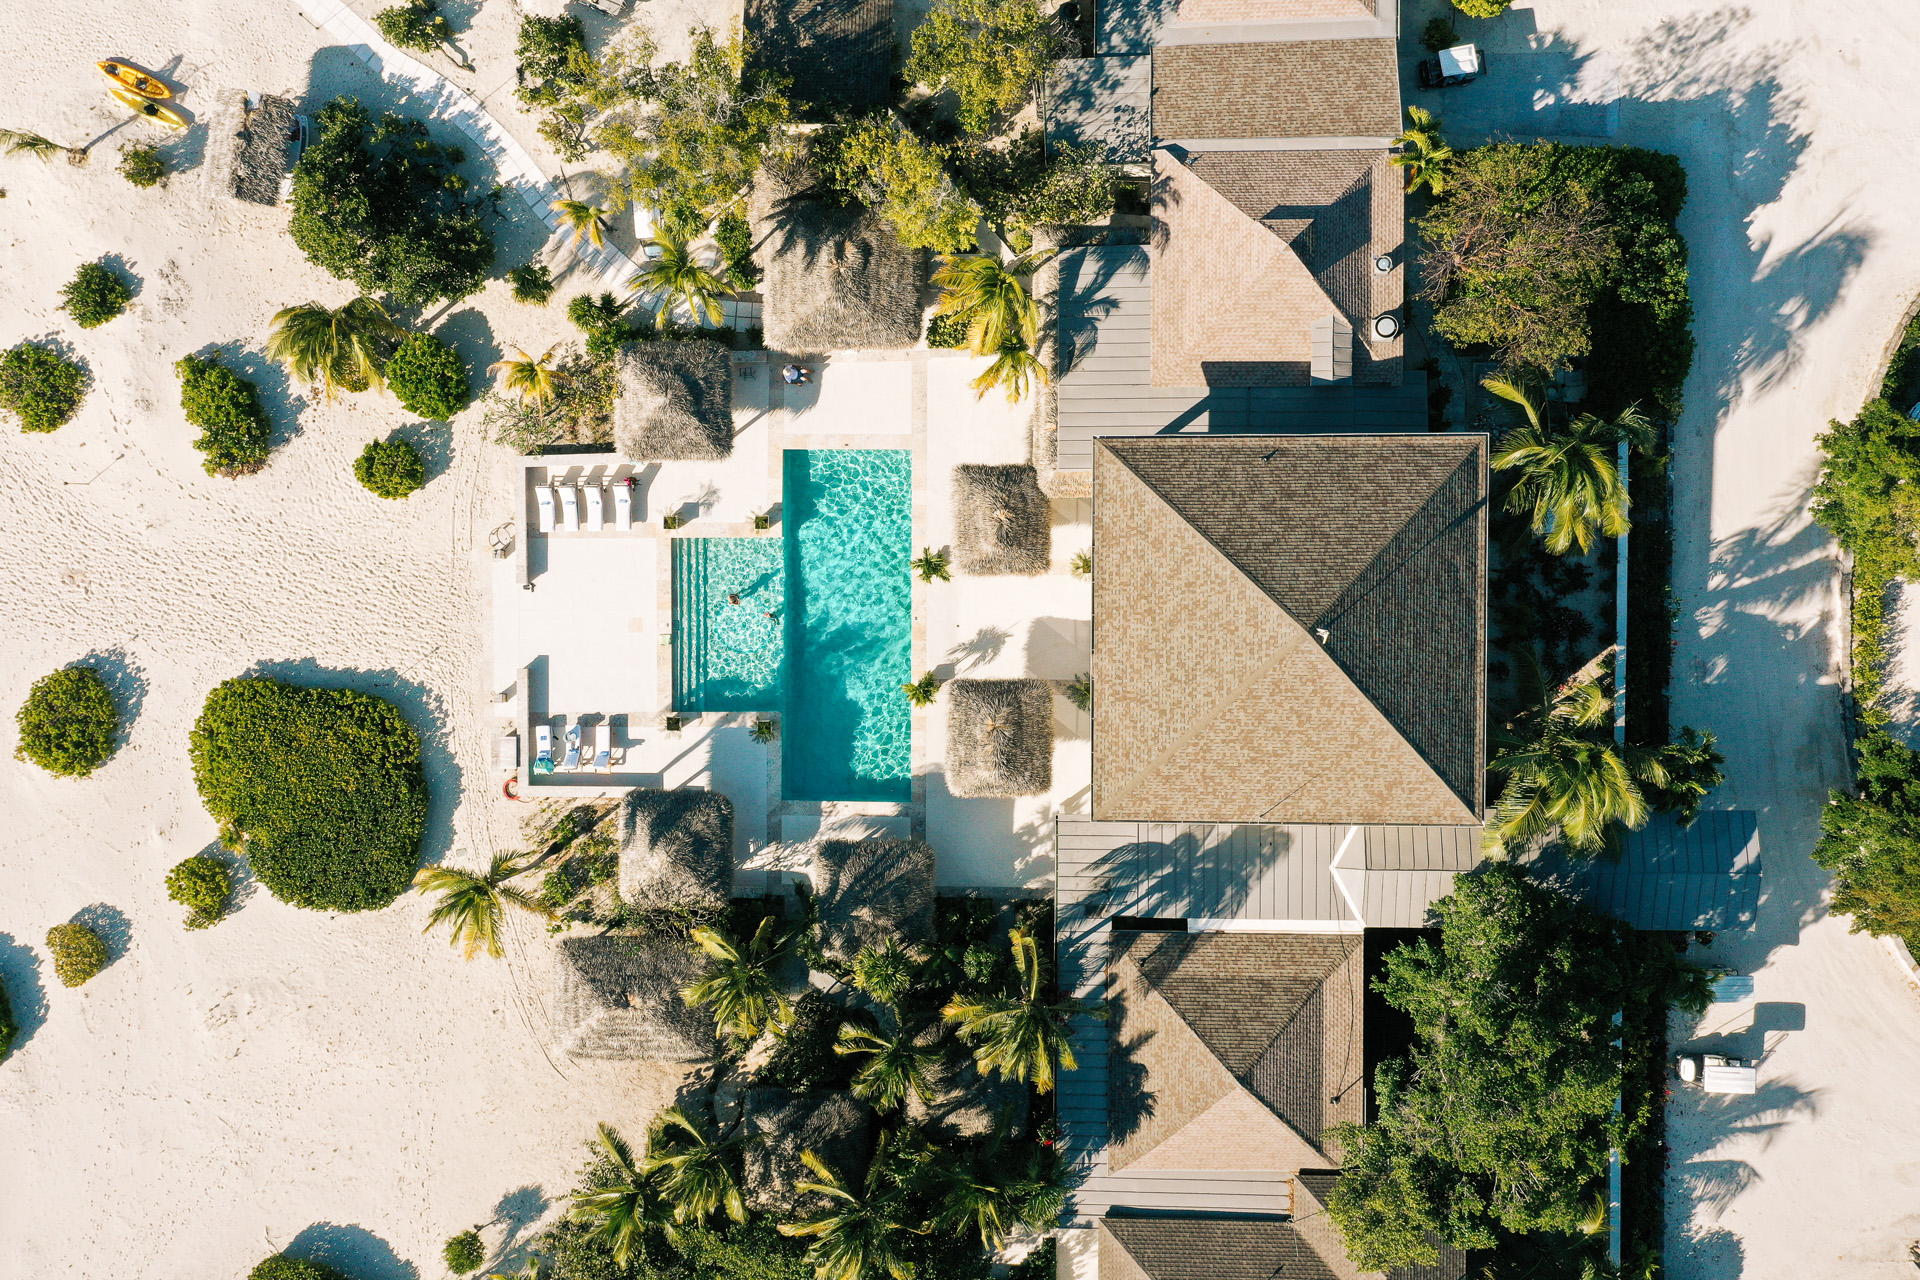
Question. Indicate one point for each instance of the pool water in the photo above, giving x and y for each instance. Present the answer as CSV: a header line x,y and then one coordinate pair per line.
x,y
727,656
848,517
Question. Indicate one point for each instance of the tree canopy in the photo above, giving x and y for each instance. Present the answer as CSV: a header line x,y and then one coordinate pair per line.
x,y
903,178
1870,840
990,53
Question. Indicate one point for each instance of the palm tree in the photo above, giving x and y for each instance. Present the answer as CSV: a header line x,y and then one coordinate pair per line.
x,y
1563,768
677,276
697,1174
586,221
897,1066
1568,484
922,692
17,141
337,347
1423,153
855,1237
991,1192
1019,1035
1015,368
886,971
932,566
475,904
742,987
992,298
533,380
625,1205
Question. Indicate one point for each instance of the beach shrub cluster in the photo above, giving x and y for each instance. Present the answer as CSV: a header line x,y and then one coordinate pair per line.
x,y
321,789
95,295
281,1267
735,237
68,724
40,387
1870,841
603,320
428,377
532,284
372,204
989,53
78,953
202,884
1482,8
464,1253
415,25
902,177
391,468
9,1029
142,165
234,435
947,331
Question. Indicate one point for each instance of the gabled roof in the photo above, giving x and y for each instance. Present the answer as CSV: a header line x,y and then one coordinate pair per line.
x,y
1199,1248
1290,629
1239,1044
1214,11
1280,89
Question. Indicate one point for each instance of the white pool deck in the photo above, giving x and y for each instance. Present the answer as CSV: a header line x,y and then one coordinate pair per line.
x,y
586,643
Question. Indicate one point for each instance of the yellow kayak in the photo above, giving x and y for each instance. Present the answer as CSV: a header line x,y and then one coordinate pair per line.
x,y
128,76
154,111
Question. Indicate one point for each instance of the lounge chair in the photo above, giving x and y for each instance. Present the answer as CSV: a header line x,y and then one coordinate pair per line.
x,y
603,747
543,743
622,507
573,748
544,496
569,508
596,509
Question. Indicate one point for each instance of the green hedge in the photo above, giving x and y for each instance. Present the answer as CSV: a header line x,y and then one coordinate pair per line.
x,y
40,387
391,468
281,1267
201,884
95,295
78,953
68,724
1870,841
235,435
947,332
428,376
322,789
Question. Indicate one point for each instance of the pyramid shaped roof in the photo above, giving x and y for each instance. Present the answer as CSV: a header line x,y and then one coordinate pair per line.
x,y
1290,629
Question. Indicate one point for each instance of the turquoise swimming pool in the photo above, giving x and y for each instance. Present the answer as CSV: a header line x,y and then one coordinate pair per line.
x,y
729,656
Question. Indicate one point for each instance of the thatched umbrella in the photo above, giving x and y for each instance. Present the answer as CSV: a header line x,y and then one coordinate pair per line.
x,y
676,849
674,402
260,151
999,738
1002,522
836,276
870,890
836,1126
618,997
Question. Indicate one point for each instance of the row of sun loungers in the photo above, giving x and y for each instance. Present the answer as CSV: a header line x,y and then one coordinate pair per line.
x,y
568,500
601,758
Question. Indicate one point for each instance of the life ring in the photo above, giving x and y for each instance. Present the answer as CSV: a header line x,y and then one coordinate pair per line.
x,y
512,789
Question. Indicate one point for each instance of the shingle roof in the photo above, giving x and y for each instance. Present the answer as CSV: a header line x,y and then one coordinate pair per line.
x,y
1286,89
1222,560
1179,1248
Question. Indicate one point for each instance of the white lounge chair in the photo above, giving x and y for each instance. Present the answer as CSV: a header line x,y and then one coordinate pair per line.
x,y
573,748
569,508
622,507
603,747
543,744
596,509
544,496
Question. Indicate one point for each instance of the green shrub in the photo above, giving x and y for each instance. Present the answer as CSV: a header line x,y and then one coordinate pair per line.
x,y
901,177
991,53
78,953
40,387
321,789
1482,8
532,284
735,237
428,376
546,50
464,1253
1870,841
142,165
370,205
1042,1264
392,468
604,322
68,723
235,435
9,1029
201,884
947,332
805,1058
1439,34
281,1267
95,295
414,26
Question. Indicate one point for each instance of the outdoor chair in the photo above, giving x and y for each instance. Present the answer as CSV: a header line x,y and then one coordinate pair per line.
x,y
603,747
573,748
544,497
569,508
596,509
622,508
543,748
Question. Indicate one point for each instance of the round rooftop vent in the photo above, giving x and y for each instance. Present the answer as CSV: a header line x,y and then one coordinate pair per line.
x,y
1386,326
1383,263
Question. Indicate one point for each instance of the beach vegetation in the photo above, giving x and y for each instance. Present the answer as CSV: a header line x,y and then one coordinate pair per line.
x,y
202,884
370,205
887,971
766,730
41,387
1438,34
1081,566
1565,478
390,468
693,1170
1020,1033
734,235
415,25
142,165
991,54
603,320
586,221
1080,691
95,295
895,1066
78,953
742,984
473,905
533,378
68,724
573,402
9,1028
806,1055
532,283
428,377
464,1252
922,692
321,790
1482,8
947,332
1870,841
1021,185
1015,369
281,1267
334,348
620,1203
676,277
857,1234
900,176
16,142
548,50
235,435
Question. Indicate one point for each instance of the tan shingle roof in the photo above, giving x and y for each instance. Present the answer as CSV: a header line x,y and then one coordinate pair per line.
x,y
1220,559
1206,1248
1287,89
1272,10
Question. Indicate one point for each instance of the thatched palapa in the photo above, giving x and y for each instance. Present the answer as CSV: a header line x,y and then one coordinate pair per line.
x,y
676,849
619,997
1001,520
836,278
674,402
835,1126
260,150
999,738
870,890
